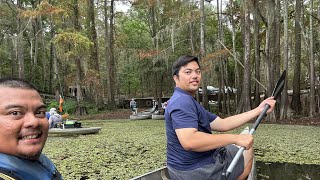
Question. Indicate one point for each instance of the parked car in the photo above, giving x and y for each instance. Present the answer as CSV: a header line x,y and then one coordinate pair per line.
x,y
215,90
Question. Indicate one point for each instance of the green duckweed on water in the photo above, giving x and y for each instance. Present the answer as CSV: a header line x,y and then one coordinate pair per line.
x,y
124,149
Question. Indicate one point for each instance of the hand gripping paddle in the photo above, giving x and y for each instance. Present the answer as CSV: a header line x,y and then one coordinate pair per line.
x,y
276,92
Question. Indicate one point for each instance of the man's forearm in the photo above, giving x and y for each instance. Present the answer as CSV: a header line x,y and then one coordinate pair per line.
x,y
235,121
201,142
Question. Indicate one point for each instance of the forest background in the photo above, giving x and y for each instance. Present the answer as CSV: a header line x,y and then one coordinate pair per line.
x,y
106,54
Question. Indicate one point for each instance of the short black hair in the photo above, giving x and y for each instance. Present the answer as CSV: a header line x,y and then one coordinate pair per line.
x,y
182,61
16,83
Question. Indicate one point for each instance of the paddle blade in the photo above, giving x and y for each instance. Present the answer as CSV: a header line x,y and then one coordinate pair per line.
x,y
279,86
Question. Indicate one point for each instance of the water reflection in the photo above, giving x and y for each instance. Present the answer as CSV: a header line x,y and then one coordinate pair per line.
x,y
287,171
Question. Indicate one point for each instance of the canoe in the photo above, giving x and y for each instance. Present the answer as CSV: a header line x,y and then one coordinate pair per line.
x,y
157,116
74,131
162,173
158,174
140,116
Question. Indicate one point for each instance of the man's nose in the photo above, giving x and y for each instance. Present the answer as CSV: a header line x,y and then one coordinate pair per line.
x,y
31,120
195,74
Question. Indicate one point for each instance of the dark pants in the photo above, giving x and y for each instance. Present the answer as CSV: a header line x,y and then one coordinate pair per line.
x,y
214,171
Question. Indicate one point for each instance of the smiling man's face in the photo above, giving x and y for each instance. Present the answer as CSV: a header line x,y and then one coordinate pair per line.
x,y
23,124
189,77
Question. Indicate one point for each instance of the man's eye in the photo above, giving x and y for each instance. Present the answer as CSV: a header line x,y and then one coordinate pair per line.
x,y
41,114
188,72
15,113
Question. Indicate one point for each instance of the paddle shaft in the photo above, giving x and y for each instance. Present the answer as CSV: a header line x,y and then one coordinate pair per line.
x,y
240,151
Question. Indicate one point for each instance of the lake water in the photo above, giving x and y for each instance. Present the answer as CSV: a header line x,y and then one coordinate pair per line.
x,y
287,171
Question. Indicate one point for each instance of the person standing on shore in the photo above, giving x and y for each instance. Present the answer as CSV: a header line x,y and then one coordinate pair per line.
x,y
133,107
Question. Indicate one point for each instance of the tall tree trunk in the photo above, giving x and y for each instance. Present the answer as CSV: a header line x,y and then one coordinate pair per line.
x,y
155,46
54,84
81,109
312,73
57,87
284,94
296,101
245,95
202,55
191,26
191,32
220,65
44,73
223,96
277,52
111,62
54,80
94,58
271,50
107,44
318,58
225,84
36,48
236,71
256,41
241,58
51,57
270,45
19,43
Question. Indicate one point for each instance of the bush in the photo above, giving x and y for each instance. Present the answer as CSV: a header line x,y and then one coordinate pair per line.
x,y
68,106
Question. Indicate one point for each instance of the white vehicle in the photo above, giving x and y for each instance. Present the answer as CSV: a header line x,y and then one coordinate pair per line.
x,y
215,90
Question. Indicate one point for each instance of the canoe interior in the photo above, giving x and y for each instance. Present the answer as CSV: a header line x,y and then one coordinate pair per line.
x,y
162,173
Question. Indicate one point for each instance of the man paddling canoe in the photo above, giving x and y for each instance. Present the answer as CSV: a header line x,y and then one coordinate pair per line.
x,y
193,152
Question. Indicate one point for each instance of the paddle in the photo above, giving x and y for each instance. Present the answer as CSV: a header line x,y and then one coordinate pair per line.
x,y
276,92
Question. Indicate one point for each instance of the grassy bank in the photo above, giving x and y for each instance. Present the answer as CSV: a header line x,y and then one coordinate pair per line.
x,y
125,149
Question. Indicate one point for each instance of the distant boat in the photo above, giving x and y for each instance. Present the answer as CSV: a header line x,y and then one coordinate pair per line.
x,y
140,116
147,114
74,131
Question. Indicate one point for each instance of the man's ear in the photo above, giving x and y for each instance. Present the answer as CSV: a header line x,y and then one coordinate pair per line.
x,y
175,78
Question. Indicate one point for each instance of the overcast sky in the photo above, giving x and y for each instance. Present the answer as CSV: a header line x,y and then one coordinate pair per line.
x,y
122,6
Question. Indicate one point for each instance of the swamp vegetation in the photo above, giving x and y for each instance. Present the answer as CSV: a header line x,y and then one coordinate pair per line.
x,y
124,149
